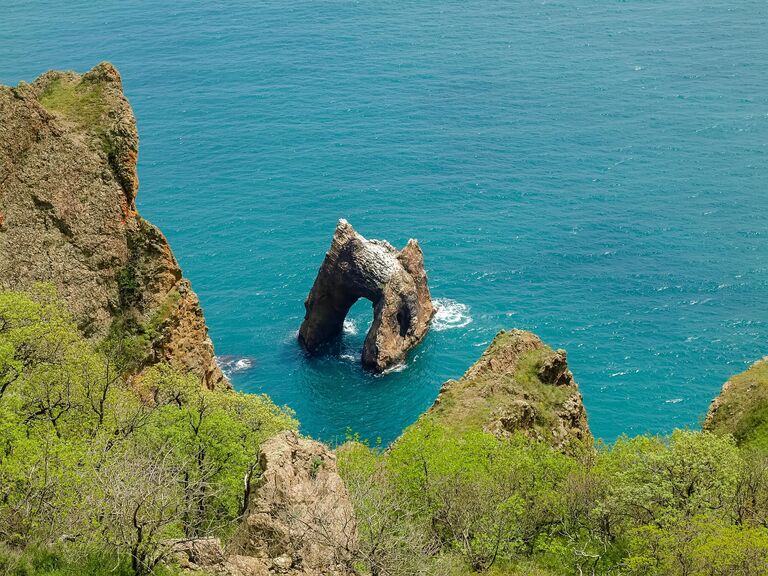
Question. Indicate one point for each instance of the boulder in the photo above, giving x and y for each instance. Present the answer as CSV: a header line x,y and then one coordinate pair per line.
x,y
554,369
299,518
197,553
394,281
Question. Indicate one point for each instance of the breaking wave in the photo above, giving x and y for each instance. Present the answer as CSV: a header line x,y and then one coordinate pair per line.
x,y
350,328
449,314
233,364
393,369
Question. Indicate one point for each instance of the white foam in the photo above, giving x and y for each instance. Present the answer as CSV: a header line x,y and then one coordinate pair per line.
x,y
396,368
673,401
242,364
233,364
449,314
350,327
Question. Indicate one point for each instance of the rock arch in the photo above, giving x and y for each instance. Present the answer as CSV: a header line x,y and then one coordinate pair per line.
x,y
394,281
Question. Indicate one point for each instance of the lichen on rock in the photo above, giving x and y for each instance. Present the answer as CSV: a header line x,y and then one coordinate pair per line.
x,y
394,281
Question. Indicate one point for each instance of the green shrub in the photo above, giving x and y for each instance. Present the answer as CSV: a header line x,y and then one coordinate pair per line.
x,y
122,462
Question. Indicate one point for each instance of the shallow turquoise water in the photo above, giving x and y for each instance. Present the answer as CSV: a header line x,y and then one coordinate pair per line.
x,y
594,171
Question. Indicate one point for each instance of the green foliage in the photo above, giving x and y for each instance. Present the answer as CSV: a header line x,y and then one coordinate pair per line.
x,y
91,452
471,402
163,312
81,102
467,495
447,501
104,460
660,481
752,429
128,286
61,561
700,546
743,408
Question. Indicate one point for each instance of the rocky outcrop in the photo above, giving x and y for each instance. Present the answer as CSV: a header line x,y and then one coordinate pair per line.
x,y
519,384
299,518
395,282
741,409
68,185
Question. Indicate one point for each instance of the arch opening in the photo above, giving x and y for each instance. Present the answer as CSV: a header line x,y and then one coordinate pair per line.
x,y
393,281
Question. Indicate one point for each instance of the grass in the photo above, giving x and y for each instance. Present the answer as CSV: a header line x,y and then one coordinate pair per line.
x,y
63,560
163,312
752,430
57,561
743,409
82,102
472,401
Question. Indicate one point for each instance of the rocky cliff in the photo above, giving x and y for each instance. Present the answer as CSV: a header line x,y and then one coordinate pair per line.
x,y
68,185
518,384
741,409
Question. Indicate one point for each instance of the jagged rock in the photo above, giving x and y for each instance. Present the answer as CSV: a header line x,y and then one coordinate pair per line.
x,y
68,185
519,415
244,566
206,557
299,518
395,282
198,553
518,385
554,369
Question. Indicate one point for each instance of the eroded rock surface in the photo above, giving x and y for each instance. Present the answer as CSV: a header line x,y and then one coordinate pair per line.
x,y
394,281
519,384
68,185
299,518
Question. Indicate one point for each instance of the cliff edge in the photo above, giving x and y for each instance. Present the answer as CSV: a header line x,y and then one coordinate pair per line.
x,y
741,409
68,185
519,384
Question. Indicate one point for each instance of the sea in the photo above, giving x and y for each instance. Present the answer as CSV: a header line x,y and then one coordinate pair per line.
x,y
594,171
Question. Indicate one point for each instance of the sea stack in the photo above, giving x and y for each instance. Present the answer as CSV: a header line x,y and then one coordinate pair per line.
x,y
394,281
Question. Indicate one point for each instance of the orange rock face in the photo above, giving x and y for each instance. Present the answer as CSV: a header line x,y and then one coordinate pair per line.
x,y
68,185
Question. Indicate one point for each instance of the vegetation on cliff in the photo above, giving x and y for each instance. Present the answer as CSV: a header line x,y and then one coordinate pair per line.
x,y
68,184
518,384
448,502
101,470
501,477
106,465
742,407
117,439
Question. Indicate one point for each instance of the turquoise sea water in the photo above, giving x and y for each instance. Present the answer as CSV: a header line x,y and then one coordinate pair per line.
x,y
594,171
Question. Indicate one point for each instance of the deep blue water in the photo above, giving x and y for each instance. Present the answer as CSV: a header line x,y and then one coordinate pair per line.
x,y
594,171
